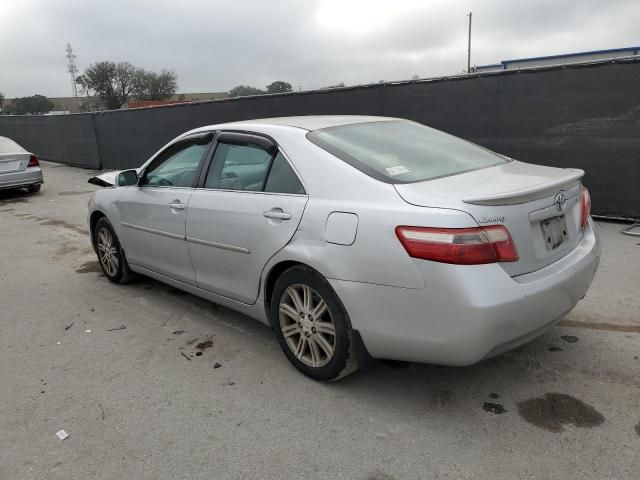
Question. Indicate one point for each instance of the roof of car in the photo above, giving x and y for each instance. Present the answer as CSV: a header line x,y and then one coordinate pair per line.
x,y
313,122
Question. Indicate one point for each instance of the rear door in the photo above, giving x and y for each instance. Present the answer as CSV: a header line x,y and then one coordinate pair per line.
x,y
153,213
248,207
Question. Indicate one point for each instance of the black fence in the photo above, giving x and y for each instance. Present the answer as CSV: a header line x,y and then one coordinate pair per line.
x,y
583,116
67,139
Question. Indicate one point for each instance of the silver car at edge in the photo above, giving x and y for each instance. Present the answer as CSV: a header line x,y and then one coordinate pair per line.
x,y
18,167
355,237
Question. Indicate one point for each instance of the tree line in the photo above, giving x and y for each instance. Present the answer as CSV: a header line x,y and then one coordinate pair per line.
x,y
110,85
115,83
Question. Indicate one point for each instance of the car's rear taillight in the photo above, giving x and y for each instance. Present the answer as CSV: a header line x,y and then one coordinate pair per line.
x,y
33,162
462,246
585,205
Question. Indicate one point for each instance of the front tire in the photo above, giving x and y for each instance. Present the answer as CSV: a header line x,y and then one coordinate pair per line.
x,y
110,254
312,325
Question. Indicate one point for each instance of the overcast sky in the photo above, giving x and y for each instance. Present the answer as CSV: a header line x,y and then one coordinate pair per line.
x,y
214,45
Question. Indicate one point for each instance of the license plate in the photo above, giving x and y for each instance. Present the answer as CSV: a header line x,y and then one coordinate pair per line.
x,y
554,231
9,166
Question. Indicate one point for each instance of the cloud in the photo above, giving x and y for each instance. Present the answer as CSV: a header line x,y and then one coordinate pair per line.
x,y
215,45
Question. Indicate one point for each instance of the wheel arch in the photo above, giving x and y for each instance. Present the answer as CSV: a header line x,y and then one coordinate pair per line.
x,y
273,275
93,219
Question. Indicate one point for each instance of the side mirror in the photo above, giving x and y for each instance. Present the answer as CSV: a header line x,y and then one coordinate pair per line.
x,y
127,177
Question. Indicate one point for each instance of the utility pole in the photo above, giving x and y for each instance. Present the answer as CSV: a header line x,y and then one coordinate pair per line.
x,y
469,46
72,69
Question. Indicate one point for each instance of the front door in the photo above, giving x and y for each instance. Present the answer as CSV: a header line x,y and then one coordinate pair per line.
x,y
153,213
249,208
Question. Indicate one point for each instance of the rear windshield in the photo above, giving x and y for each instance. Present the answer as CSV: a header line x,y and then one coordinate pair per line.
x,y
398,151
9,146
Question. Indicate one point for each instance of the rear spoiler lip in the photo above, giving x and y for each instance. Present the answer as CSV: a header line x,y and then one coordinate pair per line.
x,y
527,194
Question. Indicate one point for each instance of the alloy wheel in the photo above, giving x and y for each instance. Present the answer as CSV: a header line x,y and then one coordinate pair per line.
x,y
306,325
107,252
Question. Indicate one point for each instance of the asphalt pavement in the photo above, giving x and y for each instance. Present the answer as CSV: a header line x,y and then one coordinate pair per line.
x,y
150,382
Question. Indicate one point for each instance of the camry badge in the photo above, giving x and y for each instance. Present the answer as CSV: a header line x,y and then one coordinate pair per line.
x,y
561,201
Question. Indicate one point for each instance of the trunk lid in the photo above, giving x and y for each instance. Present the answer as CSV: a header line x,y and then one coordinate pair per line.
x,y
13,158
13,162
521,196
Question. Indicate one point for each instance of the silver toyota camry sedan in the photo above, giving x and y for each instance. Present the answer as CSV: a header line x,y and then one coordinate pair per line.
x,y
355,237
18,167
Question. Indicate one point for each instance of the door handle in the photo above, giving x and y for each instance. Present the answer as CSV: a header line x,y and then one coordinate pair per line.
x,y
277,213
176,205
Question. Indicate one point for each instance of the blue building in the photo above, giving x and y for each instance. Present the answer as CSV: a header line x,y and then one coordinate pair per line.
x,y
554,60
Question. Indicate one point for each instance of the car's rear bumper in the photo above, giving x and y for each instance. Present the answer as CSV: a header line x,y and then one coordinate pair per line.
x,y
30,176
468,313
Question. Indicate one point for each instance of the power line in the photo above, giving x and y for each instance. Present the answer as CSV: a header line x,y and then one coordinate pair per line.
x,y
469,46
72,69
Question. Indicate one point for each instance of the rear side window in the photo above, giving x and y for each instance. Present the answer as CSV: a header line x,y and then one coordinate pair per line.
x,y
282,178
400,151
238,167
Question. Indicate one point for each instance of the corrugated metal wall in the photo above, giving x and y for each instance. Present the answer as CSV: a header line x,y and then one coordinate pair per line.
x,y
581,116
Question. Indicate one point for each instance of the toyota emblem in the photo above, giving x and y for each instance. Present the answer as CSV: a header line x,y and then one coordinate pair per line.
x,y
561,201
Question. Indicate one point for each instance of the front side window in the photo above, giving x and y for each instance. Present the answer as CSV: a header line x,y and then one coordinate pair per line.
x,y
239,167
398,151
177,166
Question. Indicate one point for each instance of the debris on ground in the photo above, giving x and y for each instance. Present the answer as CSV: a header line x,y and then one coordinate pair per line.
x,y
207,343
496,408
69,326
569,338
62,434
87,331
179,332
216,365
185,356
554,348
121,327
494,395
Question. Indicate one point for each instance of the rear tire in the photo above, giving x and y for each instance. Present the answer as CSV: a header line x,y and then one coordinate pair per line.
x,y
111,257
312,325
34,188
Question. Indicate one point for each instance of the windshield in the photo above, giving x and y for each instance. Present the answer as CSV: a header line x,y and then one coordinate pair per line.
x,y
398,151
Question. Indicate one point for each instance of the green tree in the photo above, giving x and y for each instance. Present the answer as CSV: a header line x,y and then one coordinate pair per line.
x,y
154,86
112,82
244,91
33,105
279,87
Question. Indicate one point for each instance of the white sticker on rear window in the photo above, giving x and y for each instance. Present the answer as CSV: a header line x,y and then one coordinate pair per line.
x,y
397,170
